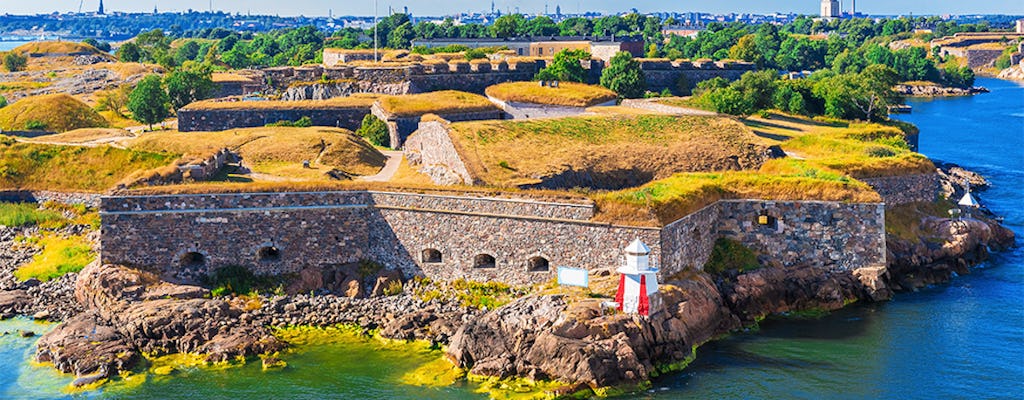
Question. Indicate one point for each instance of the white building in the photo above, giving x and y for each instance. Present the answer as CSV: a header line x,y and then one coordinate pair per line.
x,y
638,282
830,9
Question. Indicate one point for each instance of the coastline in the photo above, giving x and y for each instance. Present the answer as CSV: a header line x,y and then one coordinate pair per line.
x,y
126,305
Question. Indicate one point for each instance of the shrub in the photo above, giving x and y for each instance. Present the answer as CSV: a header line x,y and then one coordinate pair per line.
x,y
304,122
730,255
3,102
393,288
879,152
15,62
375,131
35,125
235,279
474,54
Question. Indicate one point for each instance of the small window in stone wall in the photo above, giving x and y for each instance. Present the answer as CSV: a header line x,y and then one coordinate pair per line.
x,y
269,254
431,256
766,221
193,260
484,261
537,264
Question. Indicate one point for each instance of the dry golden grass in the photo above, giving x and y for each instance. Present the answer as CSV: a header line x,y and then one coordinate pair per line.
x,y
84,135
56,48
57,112
442,102
514,153
663,201
566,94
126,70
224,77
334,103
323,147
620,110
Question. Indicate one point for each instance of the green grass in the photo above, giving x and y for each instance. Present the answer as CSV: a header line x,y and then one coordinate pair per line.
x,y
59,256
730,255
24,214
70,168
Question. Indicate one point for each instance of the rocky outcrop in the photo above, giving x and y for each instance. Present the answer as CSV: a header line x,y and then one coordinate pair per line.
x,y
775,290
936,91
130,312
951,245
574,341
1015,72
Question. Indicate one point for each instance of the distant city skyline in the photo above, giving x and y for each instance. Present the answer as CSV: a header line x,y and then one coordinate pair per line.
x,y
321,7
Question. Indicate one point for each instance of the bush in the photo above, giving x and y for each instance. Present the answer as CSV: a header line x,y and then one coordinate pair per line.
x,y
730,101
375,131
730,255
35,125
474,54
22,214
304,122
3,102
235,279
15,62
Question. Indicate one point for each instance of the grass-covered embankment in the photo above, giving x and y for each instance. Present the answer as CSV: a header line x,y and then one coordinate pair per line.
x,y
514,153
440,102
32,166
566,94
51,112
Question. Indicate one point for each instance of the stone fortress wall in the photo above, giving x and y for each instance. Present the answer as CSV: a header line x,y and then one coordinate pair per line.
x,y
449,237
321,83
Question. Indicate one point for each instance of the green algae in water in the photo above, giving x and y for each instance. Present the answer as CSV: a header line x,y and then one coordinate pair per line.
x,y
20,377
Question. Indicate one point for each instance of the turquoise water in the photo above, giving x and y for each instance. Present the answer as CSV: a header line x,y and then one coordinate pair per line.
x,y
7,45
961,340
964,339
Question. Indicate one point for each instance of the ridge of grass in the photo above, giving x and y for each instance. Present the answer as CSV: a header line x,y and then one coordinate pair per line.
x,y
441,102
566,94
50,112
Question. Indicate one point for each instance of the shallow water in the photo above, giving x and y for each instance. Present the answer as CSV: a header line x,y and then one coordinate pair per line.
x,y
959,340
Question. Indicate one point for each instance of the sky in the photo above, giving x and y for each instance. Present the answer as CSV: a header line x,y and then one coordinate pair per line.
x,y
429,8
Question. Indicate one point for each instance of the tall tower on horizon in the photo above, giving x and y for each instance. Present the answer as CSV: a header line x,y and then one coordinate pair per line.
x,y
830,9
100,12
853,7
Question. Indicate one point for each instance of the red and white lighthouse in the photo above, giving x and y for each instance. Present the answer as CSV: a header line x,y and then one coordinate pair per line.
x,y
638,282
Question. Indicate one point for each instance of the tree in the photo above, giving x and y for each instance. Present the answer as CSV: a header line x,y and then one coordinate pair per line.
x,y
623,76
401,37
15,62
730,101
185,86
565,67
746,49
541,26
961,77
148,102
375,131
757,87
507,26
129,52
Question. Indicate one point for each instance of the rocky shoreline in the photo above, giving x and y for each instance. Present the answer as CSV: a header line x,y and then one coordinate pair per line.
x,y
936,91
112,315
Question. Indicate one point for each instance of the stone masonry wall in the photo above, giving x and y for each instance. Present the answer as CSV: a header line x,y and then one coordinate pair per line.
x,y
897,190
829,235
166,233
193,120
431,150
687,242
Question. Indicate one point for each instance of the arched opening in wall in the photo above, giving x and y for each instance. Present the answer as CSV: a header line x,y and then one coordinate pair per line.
x,y
430,256
484,261
537,264
268,254
192,260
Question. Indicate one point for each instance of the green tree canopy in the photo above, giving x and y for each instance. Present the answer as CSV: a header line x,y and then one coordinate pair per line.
x,y
148,102
187,85
565,67
623,76
129,52
507,26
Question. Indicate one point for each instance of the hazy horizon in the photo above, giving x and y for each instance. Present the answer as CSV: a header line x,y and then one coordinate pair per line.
x,y
363,8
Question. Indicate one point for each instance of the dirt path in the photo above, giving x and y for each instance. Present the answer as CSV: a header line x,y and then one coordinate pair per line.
x,y
385,174
650,104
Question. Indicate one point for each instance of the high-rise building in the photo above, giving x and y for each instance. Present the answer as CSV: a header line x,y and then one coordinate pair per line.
x,y
830,9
